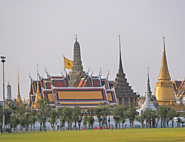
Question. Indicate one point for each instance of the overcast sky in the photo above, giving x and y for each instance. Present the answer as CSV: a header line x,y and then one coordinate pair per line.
x,y
42,31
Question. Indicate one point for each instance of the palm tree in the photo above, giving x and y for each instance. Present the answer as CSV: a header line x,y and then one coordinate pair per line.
x,y
43,109
170,115
80,118
52,118
76,113
162,112
131,115
32,118
61,115
85,119
68,112
98,112
90,119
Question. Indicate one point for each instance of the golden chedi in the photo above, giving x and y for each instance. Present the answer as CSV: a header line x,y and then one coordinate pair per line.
x,y
164,91
18,100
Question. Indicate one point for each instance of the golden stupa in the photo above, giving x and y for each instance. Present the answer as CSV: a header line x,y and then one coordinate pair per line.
x,y
164,91
18,100
38,97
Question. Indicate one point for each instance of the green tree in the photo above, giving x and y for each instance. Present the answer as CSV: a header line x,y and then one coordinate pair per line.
x,y
105,113
162,112
85,119
80,118
61,115
131,115
98,112
68,112
90,119
52,118
43,112
32,119
170,115
14,119
119,115
76,113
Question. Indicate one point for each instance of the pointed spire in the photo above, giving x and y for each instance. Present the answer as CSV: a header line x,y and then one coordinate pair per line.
x,y
120,60
164,73
148,85
76,38
38,97
18,100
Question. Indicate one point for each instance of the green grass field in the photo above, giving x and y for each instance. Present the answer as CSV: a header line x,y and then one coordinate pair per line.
x,y
164,134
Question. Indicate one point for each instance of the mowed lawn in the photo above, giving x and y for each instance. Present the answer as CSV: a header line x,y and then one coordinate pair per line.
x,y
135,135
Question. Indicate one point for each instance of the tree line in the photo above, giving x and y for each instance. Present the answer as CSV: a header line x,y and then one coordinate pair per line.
x,y
20,114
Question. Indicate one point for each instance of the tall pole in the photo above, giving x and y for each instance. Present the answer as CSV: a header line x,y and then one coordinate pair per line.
x,y
3,61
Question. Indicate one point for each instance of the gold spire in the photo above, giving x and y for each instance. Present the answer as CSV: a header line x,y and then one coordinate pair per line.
x,y
164,73
38,97
18,100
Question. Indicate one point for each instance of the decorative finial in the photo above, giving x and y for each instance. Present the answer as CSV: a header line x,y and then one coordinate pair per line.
x,y
88,71
119,44
76,38
100,73
18,75
163,44
92,73
108,74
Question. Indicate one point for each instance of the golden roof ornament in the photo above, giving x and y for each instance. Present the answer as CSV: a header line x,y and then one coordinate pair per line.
x,y
164,73
18,100
38,97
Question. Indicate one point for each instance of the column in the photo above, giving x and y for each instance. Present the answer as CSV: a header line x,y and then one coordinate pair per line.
x,y
123,101
128,102
134,102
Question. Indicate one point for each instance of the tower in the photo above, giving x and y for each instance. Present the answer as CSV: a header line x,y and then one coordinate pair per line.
x,y
18,100
125,94
38,95
77,64
164,91
9,94
148,105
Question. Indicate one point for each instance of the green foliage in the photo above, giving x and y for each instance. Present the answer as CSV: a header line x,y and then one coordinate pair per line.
x,y
119,115
90,119
52,117
68,112
43,112
131,113
85,119
61,115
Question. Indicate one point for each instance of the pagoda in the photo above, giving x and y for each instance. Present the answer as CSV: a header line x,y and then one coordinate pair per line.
x,y
164,91
77,64
148,105
124,93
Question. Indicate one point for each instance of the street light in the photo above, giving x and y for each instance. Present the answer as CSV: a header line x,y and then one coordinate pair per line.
x,y
3,61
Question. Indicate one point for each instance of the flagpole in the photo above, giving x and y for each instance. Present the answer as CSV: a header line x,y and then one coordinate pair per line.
x,y
64,62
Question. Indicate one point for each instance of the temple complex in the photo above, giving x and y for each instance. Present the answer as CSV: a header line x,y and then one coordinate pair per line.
x,y
124,93
164,91
77,88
